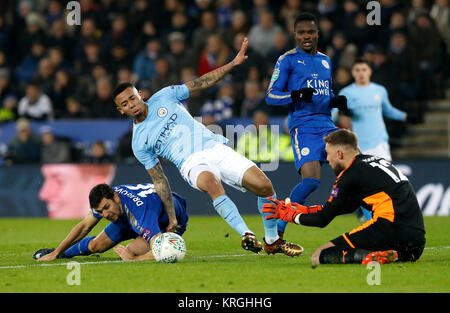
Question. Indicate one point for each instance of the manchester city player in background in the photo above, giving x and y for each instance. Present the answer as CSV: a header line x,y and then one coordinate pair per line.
x,y
302,79
135,212
163,128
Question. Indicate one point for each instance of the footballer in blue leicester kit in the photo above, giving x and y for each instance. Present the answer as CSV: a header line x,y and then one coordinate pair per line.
x,y
163,128
135,212
301,79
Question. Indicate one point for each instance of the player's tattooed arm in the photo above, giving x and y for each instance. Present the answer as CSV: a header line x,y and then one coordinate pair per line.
x,y
162,188
209,79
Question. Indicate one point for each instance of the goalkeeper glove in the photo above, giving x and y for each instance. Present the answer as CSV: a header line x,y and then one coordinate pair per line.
x,y
340,102
281,210
304,94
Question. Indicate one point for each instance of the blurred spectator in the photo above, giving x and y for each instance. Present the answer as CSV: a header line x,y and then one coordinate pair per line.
x,y
215,54
220,108
280,46
426,46
5,85
125,74
123,152
180,23
240,75
143,36
164,77
84,64
74,109
341,53
24,147
56,57
53,150
261,36
6,37
342,78
102,106
257,143
54,11
290,9
440,12
138,14
60,90
35,105
207,27
117,35
196,99
30,64
224,10
8,110
98,154
399,55
361,34
416,8
144,63
58,37
118,57
32,33
45,75
326,27
253,100
239,25
88,32
178,55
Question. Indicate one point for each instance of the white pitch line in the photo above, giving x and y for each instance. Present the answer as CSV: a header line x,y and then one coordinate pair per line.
x,y
121,261
117,261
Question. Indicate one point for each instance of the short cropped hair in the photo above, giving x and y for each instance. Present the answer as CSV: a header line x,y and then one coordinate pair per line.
x,y
306,17
342,137
99,192
361,61
120,88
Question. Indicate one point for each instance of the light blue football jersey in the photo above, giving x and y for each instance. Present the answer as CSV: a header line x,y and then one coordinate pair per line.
x,y
169,131
369,104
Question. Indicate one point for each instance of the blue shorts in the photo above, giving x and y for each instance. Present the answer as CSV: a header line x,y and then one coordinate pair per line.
x,y
120,231
308,144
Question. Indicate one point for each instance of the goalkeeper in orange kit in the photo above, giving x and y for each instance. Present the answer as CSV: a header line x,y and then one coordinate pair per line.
x,y
396,231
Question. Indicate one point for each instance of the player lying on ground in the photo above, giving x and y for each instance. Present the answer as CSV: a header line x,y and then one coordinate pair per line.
x,y
396,231
135,212
163,128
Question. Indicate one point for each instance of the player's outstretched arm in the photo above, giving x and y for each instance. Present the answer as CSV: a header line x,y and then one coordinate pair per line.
x,y
77,233
213,77
162,188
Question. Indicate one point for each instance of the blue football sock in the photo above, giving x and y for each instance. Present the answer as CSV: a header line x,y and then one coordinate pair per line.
x,y
270,226
80,248
299,194
230,213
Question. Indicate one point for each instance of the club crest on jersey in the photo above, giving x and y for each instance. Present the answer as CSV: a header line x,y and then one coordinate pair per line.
x,y
334,192
276,73
325,64
305,151
162,112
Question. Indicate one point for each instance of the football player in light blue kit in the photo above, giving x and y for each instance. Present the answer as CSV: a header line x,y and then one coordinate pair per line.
x,y
368,103
135,212
163,128
302,79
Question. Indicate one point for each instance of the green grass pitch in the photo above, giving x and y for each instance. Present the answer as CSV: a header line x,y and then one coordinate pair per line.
x,y
216,263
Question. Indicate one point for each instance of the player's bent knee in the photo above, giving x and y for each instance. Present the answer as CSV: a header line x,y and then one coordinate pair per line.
x,y
95,246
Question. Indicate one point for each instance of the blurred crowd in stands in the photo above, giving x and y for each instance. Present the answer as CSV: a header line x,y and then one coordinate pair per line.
x,y
50,70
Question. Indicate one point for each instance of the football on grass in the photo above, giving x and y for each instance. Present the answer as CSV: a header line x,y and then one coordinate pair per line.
x,y
169,248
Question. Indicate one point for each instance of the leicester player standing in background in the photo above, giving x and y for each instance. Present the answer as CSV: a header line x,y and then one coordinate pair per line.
x,y
302,80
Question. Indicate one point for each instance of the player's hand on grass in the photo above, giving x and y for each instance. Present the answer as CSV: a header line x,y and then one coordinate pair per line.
x,y
241,57
49,257
124,253
304,94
